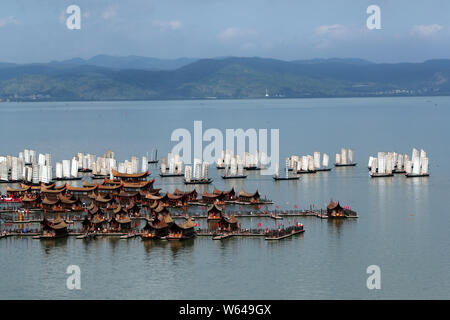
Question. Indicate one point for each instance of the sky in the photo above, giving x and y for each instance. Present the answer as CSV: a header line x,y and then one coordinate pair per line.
x,y
411,31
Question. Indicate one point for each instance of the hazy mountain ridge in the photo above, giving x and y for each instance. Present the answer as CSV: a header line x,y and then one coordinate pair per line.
x,y
228,77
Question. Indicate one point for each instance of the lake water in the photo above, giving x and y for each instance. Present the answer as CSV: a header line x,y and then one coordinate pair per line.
x,y
403,224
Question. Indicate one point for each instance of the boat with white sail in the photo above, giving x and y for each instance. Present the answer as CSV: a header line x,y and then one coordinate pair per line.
x,y
318,166
381,166
342,160
235,170
277,176
418,165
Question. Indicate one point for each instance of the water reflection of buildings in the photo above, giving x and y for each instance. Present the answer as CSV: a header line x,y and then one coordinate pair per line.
x,y
50,244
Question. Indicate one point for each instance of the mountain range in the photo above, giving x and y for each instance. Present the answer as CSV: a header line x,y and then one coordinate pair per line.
x,y
106,77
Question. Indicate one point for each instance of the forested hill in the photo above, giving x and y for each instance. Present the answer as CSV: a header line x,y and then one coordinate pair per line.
x,y
138,78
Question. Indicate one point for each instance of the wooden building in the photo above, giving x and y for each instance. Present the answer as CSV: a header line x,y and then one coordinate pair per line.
x,y
130,177
53,229
214,212
210,198
181,231
249,197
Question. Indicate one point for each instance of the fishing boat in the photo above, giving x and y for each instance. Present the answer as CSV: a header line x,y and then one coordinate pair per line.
x,y
175,167
198,181
198,174
325,161
87,236
306,165
381,166
154,158
251,162
400,163
284,233
221,162
235,170
66,171
277,176
222,236
341,159
234,177
418,166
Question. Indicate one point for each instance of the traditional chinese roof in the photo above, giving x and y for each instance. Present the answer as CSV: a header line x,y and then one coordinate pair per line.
x,y
187,225
249,195
168,219
22,185
23,189
49,186
332,205
179,192
51,191
27,198
81,189
119,210
160,208
231,220
105,199
127,194
218,192
125,219
153,197
129,175
67,200
138,185
50,202
112,187
214,209
93,209
209,195
98,219
85,184
173,197
111,182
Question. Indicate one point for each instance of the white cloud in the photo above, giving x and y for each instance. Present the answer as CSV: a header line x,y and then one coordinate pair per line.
x,y
426,30
109,13
171,25
8,20
233,33
327,35
333,30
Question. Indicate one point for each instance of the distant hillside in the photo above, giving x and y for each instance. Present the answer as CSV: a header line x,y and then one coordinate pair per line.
x,y
230,77
129,62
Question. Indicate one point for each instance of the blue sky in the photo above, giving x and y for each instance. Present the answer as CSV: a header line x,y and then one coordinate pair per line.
x,y
412,31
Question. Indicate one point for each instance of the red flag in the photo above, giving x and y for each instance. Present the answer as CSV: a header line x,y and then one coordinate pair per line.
x,y
295,206
277,206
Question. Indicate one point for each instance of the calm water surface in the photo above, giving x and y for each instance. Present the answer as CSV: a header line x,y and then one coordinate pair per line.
x,y
403,224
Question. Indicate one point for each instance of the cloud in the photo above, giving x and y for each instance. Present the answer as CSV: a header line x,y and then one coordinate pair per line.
x,y
110,12
233,33
171,25
426,30
325,36
333,31
8,20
